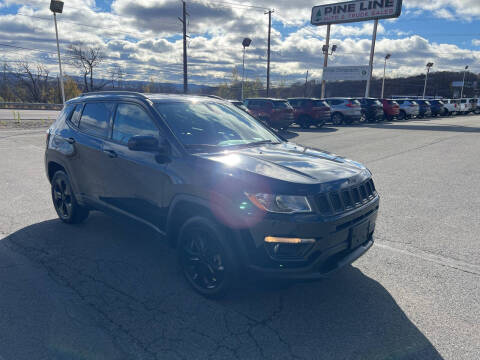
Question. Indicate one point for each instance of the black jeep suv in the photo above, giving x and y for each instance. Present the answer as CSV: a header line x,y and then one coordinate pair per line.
x,y
231,195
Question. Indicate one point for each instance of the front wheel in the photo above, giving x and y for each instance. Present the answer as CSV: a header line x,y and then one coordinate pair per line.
x,y
337,119
205,258
66,206
402,115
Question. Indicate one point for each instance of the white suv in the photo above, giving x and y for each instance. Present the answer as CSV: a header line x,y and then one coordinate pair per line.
x,y
408,109
452,106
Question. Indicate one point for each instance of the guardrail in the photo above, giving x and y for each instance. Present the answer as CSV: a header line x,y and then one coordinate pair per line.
x,y
30,106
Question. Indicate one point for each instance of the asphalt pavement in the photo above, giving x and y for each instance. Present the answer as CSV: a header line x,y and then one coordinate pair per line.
x,y
110,289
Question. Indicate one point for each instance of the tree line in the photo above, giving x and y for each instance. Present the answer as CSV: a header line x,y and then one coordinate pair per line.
x,y
26,81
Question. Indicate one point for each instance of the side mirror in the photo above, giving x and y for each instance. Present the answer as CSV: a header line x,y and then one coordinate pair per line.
x,y
144,143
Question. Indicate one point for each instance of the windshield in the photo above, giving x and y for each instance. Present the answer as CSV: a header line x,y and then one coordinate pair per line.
x,y
211,125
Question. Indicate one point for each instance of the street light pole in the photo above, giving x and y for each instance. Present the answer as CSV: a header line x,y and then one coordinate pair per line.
x,y
384,72
246,43
57,7
325,60
463,83
429,65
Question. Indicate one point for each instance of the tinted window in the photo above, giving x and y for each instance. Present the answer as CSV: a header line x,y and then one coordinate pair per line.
x,y
281,105
320,103
67,110
131,120
96,117
400,102
75,119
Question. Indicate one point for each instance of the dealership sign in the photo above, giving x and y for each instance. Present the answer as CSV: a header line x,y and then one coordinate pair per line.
x,y
337,73
353,11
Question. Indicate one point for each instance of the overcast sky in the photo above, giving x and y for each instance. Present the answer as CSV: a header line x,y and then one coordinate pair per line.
x,y
144,37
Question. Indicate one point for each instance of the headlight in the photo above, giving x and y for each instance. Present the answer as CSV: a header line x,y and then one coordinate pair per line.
x,y
284,204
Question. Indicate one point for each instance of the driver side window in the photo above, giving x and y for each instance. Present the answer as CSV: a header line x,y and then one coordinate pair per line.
x,y
131,120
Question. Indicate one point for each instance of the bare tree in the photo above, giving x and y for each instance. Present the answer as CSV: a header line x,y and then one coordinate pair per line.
x,y
35,80
117,74
86,59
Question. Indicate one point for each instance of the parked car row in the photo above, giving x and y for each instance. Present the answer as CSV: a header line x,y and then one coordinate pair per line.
x,y
307,112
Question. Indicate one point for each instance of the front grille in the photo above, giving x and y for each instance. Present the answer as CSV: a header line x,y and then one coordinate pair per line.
x,y
336,202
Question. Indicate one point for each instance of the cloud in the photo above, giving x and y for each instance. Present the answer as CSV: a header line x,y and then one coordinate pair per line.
x,y
145,38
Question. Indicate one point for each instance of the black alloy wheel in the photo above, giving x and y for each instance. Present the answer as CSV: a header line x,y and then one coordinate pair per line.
x,y
66,206
204,259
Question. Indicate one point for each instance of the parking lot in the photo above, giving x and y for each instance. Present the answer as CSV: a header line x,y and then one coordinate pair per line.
x,y
110,289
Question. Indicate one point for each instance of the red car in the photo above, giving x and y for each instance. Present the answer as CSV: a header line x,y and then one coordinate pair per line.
x,y
310,112
276,113
391,109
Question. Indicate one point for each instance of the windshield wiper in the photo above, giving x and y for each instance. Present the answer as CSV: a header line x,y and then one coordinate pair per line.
x,y
262,142
202,147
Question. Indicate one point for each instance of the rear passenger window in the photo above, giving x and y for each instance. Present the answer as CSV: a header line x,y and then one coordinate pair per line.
x,y
96,117
67,110
75,119
131,120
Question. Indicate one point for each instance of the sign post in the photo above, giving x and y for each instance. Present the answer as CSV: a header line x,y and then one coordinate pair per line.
x,y
355,11
372,54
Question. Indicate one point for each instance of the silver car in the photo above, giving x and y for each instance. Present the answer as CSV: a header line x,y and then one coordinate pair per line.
x,y
408,109
344,110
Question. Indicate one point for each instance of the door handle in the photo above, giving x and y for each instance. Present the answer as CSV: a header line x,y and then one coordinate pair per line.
x,y
111,154
70,140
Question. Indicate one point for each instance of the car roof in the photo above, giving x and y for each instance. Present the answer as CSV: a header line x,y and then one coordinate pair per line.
x,y
266,99
115,95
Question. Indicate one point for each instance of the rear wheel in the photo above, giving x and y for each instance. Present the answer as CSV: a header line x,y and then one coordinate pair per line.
x,y
337,119
205,257
304,121
66,206
402,115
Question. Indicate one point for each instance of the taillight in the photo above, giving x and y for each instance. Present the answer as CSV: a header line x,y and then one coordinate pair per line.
x,y
350,105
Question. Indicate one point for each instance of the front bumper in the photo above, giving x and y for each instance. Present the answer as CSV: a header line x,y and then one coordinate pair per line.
x,y
335,244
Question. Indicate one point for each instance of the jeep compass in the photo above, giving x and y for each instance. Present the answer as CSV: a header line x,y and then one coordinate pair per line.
x,y
228,193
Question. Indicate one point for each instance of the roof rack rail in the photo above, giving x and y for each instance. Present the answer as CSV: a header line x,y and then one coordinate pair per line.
x,y
133,93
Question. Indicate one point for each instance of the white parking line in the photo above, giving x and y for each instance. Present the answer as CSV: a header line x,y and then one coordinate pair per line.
x,y
438,259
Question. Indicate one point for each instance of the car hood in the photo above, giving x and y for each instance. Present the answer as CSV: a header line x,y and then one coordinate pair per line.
x,y
291,163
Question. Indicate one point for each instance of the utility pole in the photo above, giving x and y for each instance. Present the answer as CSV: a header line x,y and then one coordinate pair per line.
x,y
269,12
325,60
183,20
306,83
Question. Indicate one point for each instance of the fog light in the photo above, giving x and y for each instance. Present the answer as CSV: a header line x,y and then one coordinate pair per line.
x,y
284,240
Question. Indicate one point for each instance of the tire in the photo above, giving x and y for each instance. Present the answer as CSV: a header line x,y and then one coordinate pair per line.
x,y
205,258
402,115
320,124
66,206
337,118
304,121
363,118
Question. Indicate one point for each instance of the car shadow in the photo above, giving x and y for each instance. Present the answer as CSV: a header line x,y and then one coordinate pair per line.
x,y
127,278
294,132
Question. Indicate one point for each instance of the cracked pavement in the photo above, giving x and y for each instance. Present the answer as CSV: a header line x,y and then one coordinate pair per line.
x,y
110,288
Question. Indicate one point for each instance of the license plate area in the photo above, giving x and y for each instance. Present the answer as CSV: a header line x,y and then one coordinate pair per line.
x,y
359,234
